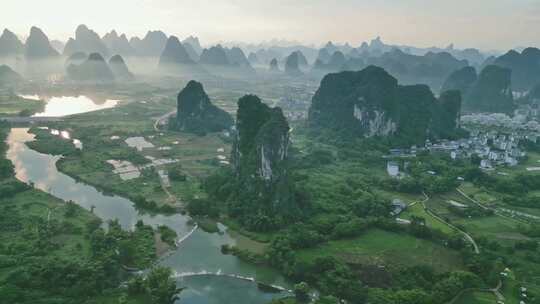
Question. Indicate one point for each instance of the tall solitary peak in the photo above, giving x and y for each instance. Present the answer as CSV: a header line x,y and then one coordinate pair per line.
x,y
38,45
196,113
237,57
260,161
292,65
274,67
119,68
302,61
86,41
94,69
118,44
492,92
370,103
10,44
215,55
446,114
461,80
174,54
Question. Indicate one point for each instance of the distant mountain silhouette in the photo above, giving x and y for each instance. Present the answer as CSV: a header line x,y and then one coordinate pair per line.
x,y
237,57
525,67
119,68
118,44
10,44
76,58
38,46
274,67
492,92
194,43
253,59
191,52
86,41
292,65
94,69
215,55
152,45
174,53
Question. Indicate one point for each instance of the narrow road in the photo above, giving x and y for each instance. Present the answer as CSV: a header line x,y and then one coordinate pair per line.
x,y
495,211
433,215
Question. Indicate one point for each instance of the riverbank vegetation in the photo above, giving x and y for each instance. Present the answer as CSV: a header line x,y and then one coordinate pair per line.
x,y
53,251
14,105
347,232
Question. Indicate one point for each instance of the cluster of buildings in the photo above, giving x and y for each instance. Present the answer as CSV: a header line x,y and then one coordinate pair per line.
x,y
492,147
525,118
295,101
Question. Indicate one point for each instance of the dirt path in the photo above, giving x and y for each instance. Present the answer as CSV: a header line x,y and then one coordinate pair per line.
x,y
495,211
467,236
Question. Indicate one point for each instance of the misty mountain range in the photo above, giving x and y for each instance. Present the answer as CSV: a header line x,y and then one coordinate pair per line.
x,y
410,64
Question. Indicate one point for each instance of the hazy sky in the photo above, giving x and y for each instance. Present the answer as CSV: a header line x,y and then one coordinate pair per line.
x,y
487,24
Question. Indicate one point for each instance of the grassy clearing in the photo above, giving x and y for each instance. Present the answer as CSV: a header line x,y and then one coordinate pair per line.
x,y
533,160
14,105
378,247
197,156
418,210
477,297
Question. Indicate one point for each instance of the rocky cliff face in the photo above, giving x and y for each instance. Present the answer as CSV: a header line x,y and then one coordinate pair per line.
x,y
94,69
10,44
371,103
196,113
525,67
260,156
120,69
359,102
174,54
38,46
86,41
492,92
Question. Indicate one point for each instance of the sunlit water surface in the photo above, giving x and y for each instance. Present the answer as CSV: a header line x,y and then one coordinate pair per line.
x,y
209,276
59,106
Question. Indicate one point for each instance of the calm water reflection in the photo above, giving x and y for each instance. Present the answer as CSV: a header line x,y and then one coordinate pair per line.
x,y
198,254
68,105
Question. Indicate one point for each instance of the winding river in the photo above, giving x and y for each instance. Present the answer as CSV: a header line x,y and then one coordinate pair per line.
x,y
209,276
